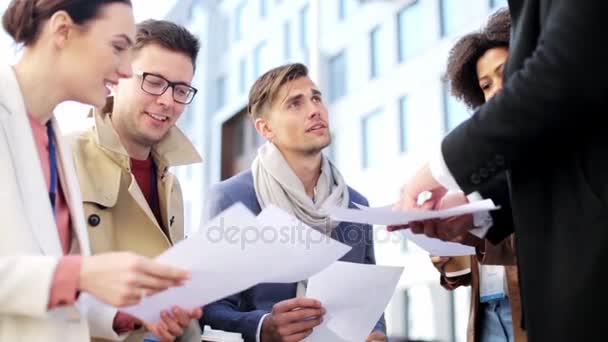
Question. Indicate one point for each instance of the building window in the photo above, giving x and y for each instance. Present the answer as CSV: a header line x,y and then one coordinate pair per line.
x,y
220,93
454,111
341,9
403,124
410,20
258,55
375,139
238,21
287,40
406,309
498,3
453,15
304,27
263,8
242,75
337,76
374,49
225,34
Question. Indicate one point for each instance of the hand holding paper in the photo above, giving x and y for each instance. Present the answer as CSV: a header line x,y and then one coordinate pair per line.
x,y
237,250
453,219
354,295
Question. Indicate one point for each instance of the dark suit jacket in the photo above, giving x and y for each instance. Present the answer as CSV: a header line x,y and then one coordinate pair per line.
x,y
242,312
546,128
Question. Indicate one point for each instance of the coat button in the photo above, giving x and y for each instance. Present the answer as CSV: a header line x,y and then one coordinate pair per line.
x,y
475,179
500,160
171,220
94,220
483,173
491,167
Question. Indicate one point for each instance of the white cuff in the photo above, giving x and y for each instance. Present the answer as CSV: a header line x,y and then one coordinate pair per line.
x,y
100,317
258,338
481,220
441,173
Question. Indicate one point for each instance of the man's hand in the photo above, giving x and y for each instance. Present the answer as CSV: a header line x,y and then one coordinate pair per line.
x,y
292,320
124,278
173,323
439,262
421,182
455,229
376,336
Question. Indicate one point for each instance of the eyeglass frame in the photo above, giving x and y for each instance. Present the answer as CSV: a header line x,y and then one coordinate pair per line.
x,y
170,84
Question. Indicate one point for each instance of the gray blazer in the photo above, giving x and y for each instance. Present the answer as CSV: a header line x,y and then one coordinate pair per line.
x,y
243,311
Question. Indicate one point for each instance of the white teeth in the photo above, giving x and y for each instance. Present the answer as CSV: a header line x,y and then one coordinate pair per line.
x,y
158,117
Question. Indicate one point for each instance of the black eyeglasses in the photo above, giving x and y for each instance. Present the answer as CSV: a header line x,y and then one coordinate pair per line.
x,y
158,85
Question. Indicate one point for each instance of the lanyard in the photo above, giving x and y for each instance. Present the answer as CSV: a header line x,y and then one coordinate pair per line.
x,y
52,165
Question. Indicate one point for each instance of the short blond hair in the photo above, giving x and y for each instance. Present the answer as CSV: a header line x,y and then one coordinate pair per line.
x,y
266,87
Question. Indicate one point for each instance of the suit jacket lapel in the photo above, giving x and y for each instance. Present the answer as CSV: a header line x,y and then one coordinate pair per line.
x,y
71,191
30,178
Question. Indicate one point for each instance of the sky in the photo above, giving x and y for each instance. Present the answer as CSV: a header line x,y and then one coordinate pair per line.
x,y
72,116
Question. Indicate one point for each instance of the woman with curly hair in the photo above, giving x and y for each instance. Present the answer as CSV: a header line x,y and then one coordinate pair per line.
x,y
474,72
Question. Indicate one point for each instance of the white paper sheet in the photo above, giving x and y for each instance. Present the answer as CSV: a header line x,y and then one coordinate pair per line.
x,y
235,251
433,246
386,216
438,247
354,295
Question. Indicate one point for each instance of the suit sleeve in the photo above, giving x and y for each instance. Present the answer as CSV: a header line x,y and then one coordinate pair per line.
x,y
26,284
502,219
225,314
550,95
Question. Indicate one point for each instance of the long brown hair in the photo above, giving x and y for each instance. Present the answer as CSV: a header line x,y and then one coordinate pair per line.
x,y
23,19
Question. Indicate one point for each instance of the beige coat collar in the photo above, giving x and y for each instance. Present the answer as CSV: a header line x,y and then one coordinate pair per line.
x,y
174,150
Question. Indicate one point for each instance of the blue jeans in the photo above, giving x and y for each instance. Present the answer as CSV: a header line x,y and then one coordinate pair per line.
x,y
496,321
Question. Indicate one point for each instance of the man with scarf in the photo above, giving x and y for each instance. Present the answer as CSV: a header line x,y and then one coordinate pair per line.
x,y
290,172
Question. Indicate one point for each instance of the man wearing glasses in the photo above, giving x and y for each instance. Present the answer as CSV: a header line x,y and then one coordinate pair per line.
x,y
131,201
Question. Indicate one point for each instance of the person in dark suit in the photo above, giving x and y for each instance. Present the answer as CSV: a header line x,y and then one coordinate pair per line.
x,y
545,130
290,172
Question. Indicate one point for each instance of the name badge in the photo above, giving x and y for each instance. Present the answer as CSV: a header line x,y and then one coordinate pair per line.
x,y
491,283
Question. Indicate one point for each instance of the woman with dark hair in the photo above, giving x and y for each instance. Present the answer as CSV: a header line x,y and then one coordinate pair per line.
x,y
474,72
74,50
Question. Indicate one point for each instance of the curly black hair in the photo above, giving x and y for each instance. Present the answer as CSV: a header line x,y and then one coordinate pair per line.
x,y
462,60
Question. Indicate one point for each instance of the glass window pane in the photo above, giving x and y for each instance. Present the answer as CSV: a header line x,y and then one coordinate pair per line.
x,y
220,93
403,123
304,27
410,20
498,3
374,49
242,75
375,139
258,57
454,14
263,8
238,21
337,76
455,111
287,40
341,9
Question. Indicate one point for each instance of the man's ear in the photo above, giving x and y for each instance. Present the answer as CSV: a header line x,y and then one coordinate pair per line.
x,y
262,125
61,27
